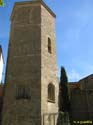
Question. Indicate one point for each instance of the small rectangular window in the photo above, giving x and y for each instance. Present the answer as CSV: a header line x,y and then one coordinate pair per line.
x,y
23,92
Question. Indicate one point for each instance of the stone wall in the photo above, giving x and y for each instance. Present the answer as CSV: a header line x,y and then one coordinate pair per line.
x,y
82,99
29,65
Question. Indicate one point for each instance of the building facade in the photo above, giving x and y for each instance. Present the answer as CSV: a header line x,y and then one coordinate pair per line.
x,y
31,82
81,94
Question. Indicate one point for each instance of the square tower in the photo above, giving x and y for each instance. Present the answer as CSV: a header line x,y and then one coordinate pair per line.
x,y
31,84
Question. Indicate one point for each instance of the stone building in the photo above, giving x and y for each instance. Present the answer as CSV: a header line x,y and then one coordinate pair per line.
x,y
82,99
31,82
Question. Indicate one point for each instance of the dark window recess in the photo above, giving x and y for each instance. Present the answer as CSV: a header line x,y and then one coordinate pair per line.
x,y
51,92
23,93
90,92
49,45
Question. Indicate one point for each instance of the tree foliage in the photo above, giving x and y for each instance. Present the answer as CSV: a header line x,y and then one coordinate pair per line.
x,y
64,102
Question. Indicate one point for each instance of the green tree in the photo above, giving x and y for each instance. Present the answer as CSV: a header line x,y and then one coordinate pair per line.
x,y
1,3
64,101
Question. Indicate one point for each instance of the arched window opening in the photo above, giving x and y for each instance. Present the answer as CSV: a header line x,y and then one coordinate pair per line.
x,y
49,45
51,92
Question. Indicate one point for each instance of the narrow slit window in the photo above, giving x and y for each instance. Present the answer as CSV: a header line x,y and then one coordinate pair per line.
x,y
49,45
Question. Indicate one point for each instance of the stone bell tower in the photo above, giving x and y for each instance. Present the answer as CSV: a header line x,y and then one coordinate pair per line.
x,y
31,84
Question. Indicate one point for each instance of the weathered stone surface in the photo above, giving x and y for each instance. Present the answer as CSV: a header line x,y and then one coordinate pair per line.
x,y
82,99
30,65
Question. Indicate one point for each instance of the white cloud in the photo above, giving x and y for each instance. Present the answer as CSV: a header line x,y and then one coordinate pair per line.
x,y
73,76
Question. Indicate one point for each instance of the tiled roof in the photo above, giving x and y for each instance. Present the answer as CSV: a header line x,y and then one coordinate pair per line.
x,y
74,85
87,77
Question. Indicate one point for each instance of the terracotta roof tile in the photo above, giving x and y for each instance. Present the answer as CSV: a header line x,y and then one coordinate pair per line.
x,y
74,85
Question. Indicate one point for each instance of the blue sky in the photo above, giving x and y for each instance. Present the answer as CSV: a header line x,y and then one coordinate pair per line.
x,y
74,34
